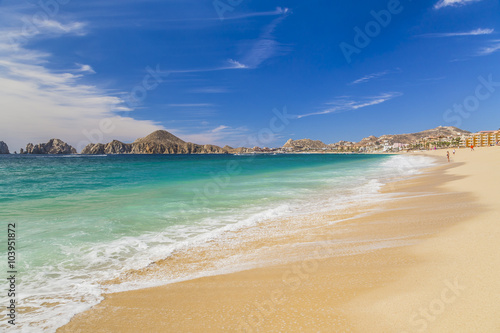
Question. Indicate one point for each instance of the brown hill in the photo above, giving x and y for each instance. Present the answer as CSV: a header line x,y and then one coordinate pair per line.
x,y
438,132
160,137
304,144
114,147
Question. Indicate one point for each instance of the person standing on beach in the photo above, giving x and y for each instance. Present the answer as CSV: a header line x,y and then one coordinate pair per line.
x,y
453,151
448,156
471,147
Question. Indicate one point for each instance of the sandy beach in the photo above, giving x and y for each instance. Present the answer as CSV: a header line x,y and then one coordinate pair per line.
x,y
427,260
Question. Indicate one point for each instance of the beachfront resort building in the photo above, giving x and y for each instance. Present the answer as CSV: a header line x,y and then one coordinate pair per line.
x,y
483,139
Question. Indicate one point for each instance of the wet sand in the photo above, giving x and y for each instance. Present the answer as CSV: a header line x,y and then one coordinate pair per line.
x,y
426,260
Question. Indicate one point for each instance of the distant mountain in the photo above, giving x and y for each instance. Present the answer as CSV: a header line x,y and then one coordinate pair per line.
x,y
447,131
158,142
160,137
304,144
368,141
4,149
54,146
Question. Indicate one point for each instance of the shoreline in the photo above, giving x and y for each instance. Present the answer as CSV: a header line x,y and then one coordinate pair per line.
x,y
196,304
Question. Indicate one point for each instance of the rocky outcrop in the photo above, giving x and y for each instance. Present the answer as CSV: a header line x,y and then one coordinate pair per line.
x,y
159,142
174,148
209,149
240,150
4,149
114,147
54,146
369,141
93,149
304,144
117,147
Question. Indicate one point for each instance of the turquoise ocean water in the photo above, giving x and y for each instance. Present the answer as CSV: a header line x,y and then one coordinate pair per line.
x,y
85,219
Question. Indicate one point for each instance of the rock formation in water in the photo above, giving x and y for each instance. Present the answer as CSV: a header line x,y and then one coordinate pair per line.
x,y
113,147
4,149
240,150
159,142
54,146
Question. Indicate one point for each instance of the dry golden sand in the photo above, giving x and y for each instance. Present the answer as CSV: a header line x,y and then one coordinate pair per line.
x,y
428,260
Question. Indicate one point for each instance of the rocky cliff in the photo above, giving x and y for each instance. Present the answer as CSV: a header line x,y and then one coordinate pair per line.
x,y
54,146
159,142
304,144
113,147
4,149
240,150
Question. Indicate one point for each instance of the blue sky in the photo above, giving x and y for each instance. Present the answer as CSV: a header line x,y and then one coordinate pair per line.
x,y
219,71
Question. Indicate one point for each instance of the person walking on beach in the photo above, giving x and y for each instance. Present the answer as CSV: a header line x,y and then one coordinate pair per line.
x,y
471,147
448,156
453,151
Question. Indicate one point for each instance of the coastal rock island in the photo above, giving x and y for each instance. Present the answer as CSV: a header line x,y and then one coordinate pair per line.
x,y
4,149
54,147
113,147
158,142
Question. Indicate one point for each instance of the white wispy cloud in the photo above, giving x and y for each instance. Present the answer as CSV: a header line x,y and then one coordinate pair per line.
x,y
369,77
228,64
46,26
475,32
38,103
492,48
264,47
85,68
221,135
236,64
277,11
446,3
344,104
220,128
28,28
